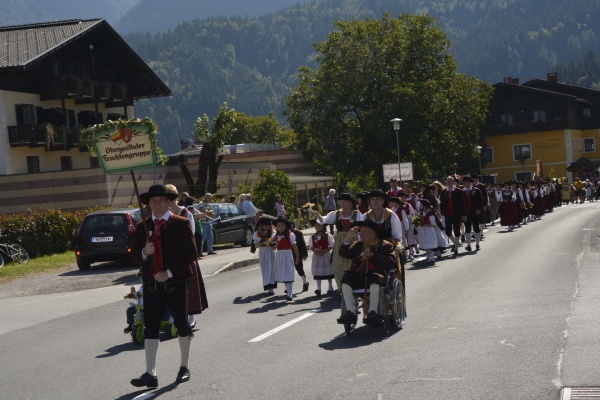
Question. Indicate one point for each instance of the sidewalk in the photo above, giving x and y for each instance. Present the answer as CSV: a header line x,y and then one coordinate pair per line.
x,y
230,258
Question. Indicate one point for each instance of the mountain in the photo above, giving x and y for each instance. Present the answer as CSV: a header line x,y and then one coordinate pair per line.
x,y
251,62
247,52
18,12
159,15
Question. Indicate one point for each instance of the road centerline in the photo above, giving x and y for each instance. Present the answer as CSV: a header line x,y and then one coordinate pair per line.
x,y
284,326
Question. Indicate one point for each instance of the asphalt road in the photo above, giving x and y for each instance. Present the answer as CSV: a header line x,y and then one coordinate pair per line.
x,y
517,320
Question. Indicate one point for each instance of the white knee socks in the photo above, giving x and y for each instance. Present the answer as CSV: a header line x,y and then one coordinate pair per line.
x,y
348,297
374,297
151,348
184,347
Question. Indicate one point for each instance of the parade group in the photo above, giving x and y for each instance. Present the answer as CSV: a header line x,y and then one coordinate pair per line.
x,y
437,218
376,233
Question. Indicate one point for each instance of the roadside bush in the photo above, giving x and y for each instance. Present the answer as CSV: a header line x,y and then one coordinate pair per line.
x,y
44,231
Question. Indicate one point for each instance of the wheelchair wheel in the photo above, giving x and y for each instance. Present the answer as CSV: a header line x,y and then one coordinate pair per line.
x,y
398,305
137,334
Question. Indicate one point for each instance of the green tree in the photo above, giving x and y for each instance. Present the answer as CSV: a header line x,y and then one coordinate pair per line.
x,y
271,183
372,71
212,136
260,129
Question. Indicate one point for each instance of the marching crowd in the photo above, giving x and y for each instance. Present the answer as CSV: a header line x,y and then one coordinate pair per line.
x,y
432,220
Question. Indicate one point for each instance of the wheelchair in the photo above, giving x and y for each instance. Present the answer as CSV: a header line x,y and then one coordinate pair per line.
x,y
392,303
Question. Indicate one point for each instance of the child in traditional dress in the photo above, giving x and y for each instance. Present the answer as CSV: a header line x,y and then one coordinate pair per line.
x,y
263,239
427,235
287,255
321,244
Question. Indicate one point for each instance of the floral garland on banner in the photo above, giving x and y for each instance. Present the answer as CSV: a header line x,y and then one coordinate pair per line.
x,y
88,135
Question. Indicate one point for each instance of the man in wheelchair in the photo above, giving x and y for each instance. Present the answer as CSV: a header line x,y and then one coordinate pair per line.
x,y
372,257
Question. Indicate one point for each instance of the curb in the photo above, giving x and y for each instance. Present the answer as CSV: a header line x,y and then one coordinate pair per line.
x,y
235,265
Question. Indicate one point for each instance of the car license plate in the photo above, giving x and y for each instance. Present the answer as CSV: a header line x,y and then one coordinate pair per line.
x,y
102,239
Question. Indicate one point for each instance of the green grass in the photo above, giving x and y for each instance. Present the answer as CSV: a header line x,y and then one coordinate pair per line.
x,y
13,269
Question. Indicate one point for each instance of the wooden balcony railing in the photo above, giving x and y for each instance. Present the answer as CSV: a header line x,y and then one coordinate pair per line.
x,y
83,90
49,136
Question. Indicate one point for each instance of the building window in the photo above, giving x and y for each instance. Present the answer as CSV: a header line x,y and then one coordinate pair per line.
x,y
33,164
574,145
25,114
506,119
539,115
523,176
94,163
66,163
589,145
521,152
487,156
580,145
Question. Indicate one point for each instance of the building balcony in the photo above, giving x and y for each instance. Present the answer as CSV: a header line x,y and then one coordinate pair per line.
x,y
82,90
521,127
49,136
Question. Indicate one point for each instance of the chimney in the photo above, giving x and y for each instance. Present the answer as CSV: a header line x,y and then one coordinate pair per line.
x,y
186,143
552,77
508,79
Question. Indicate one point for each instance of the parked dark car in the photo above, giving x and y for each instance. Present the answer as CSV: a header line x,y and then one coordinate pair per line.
x,y
230,224
105,235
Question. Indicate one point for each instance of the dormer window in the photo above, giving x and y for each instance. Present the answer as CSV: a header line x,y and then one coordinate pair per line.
x,y
539,115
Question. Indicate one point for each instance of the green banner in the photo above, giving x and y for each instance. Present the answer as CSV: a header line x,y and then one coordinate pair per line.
x,y
124,148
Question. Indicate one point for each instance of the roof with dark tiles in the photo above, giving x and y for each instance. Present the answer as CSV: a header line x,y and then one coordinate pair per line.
x,y
22,44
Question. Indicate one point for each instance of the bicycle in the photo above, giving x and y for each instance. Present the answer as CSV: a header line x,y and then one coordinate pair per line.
x,y
14,252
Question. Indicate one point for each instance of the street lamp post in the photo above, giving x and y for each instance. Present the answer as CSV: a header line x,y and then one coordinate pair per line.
x,y
396,124
479,157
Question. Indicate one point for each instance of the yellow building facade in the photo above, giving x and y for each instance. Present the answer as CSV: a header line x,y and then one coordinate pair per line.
x,y
541,129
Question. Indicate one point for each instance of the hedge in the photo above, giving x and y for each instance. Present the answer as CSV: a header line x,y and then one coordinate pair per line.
x,y
44,231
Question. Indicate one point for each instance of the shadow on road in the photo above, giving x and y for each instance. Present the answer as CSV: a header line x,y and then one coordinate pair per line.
x,y
103,268
148,393
363,335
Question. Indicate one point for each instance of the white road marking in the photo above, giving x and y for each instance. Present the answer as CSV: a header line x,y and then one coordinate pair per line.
x,y
250,269
506,344
286,325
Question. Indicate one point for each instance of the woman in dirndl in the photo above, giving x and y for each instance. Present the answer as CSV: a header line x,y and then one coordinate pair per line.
x,y
263,239
343,220
508,209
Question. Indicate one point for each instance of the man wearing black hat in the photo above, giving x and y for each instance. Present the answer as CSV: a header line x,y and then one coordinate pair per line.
x,y
486,202
165,249
371,258
474,207
452,207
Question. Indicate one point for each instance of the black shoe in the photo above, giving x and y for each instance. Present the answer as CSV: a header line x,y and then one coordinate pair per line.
x,y
128,329
289,298
348,318
305,287
183,375
200,255
468,248
455,252
270,294
477,248
285,291
318,293
211,253
372,318
145,380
